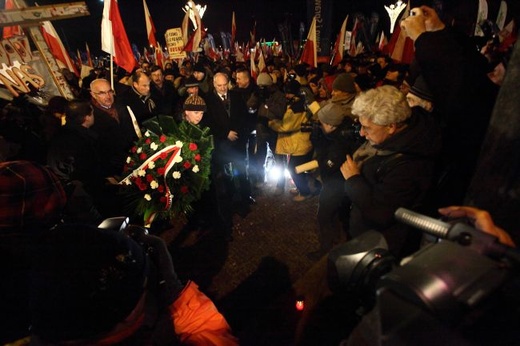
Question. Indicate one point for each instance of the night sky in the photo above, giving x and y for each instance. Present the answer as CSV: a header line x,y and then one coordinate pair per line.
x,y
268,14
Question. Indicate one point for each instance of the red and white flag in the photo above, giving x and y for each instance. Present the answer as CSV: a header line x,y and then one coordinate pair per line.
x,y
56,46
310,52
233,31
159,56
339,46
262,67
89,57
400,47
150,28
383,42
254,69
194,41
113,37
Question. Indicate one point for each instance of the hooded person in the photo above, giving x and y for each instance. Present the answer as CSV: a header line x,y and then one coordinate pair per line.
x,y
344,91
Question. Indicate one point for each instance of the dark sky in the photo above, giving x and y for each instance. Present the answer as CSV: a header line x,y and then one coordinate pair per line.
x,y
168,14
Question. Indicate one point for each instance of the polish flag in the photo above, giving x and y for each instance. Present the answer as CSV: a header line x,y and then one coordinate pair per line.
x,y
400,47
310,52
233,31
254,69
194,41
339,46
113,37
89,57
9,31
56,46
150,28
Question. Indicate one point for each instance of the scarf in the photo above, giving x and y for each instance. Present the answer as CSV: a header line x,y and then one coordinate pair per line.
x,y
112,111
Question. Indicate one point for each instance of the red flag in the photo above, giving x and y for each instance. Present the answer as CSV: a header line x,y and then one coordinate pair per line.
x,y
80,61
353,44
150,28
252,35
10,31
262,67
56,46
310,53
507,36
339,46
113,37
194,42
233,30
400,47
89,57
159,57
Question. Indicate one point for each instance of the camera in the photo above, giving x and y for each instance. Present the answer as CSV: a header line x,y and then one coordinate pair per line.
x,y
310,126
450,285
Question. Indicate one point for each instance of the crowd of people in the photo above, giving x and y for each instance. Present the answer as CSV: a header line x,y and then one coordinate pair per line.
x,y
384,135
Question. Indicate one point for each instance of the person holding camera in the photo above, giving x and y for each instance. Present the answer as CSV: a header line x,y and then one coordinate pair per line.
x,y
393,168
332,139
295,143
271,104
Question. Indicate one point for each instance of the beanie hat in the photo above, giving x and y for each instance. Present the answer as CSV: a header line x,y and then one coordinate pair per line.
x,y
264,79
194,103
84,281
421,90
191,82
301,70
344,82
31,196
332,114
198,67
292,87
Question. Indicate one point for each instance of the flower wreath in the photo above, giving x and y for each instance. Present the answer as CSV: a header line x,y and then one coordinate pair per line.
x,y
167,169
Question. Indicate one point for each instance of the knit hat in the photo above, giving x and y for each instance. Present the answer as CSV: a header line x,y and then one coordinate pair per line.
x,y
344,82
292,87
191,82
421,90
332,114
194,103
301,70
84,281
31,196
198,67
264,79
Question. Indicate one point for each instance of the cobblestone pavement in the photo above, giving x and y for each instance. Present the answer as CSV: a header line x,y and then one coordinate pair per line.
x,y
258,269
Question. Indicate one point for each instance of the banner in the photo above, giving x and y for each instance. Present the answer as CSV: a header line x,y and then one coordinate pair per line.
x,y
175,43
322,10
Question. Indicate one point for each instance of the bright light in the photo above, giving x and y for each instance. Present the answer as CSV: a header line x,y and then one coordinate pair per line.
x,y
275,173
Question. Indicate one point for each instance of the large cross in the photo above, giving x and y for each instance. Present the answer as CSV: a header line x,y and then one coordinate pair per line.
x,y
30,18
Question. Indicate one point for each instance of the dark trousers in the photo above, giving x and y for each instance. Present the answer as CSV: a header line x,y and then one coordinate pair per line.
x,y
332,205
300,180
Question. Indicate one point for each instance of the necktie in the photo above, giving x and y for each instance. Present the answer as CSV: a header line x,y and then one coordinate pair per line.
x,y
224,97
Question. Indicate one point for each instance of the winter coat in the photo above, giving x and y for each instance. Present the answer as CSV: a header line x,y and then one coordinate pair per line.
x,y
398,174
291,140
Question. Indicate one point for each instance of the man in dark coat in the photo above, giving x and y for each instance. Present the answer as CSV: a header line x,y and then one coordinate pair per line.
x,y
163,92
394,168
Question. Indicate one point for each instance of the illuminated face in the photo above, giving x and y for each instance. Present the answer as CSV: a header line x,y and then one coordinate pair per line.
x,y
198,75
157,78
142,85
101,91
221,84
327,128
375,134
242,80
193,117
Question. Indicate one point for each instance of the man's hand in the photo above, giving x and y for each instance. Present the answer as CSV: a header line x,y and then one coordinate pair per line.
x,y
232,136
481,220
349,168
421,19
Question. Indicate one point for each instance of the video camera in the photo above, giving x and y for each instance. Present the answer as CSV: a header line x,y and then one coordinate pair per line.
x,y
446,282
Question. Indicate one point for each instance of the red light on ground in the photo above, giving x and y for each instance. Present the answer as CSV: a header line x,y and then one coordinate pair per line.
x,y
300,305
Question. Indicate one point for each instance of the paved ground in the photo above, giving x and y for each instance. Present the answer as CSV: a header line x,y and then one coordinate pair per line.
x,y
255,279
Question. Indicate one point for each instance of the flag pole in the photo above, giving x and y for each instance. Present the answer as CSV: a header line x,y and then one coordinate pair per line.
x,y
112,72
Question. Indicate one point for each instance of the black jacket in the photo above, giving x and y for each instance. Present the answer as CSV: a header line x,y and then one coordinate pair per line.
x,y
398,175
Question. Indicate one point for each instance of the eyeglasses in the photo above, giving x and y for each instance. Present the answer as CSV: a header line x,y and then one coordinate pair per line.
x,y
104,93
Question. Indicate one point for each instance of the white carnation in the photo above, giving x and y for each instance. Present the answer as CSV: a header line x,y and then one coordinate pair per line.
x,y
154,146
195,169
147,133
141,172
176,175
179,144
177,159
128,159
151,165
139,150
154,184
148,197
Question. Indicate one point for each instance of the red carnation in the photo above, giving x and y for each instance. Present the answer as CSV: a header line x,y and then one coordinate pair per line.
x,y
149,178
197,157
193,146
134,149
184,189
148,141
187,164
160,188
143,156
162,139
141,186
163,155
163,200
161,170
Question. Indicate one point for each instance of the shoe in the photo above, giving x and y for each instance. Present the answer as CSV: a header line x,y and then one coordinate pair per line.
x,y
316,255
278,191
294,191
301,198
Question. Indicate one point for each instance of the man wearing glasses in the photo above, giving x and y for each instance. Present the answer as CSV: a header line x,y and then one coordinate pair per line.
x,y
113,127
